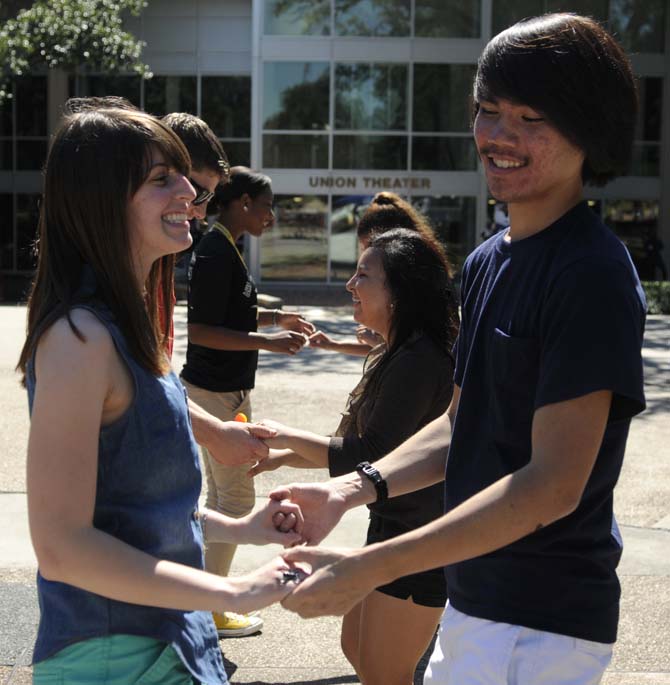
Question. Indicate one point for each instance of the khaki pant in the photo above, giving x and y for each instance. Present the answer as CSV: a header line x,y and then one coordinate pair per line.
x,y
230,490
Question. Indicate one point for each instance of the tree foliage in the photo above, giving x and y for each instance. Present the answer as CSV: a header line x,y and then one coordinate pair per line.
x,y
66,34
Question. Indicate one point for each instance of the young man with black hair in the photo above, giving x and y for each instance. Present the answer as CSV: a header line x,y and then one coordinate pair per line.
x,y
548,376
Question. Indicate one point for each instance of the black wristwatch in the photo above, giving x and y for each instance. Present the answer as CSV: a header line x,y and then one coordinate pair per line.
x,y
372,474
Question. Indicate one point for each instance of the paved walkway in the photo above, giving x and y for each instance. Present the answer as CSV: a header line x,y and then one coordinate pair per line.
x,y
308,391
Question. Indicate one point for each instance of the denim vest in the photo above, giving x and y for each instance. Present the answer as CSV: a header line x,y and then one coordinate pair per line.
x,y
147,496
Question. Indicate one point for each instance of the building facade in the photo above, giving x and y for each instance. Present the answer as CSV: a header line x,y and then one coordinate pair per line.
x,y
337,100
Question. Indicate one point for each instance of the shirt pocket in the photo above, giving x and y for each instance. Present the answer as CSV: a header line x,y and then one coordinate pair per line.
x,y
515,371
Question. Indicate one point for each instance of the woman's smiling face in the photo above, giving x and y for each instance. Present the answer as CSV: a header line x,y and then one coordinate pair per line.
x,y
158,214
370,294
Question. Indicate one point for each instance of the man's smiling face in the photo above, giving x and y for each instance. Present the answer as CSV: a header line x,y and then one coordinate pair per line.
x,y
525,157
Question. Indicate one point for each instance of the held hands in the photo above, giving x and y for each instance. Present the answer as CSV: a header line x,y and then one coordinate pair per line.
x,y
268,584
336,584
260,526
281,434
273,462
320,339
233,443
367,336
285,342
292,321
320,504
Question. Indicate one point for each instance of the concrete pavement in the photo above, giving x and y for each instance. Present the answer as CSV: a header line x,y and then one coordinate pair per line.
x,y
309,391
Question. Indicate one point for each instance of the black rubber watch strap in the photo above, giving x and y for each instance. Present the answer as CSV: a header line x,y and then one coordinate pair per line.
x,y
372,474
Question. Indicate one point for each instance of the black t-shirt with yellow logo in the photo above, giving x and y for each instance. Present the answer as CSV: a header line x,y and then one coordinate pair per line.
x,y
221,292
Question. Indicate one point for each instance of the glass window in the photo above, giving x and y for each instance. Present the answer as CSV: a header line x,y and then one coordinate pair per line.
x,y
165,94
647,149
31,106
651,103
636,224
442,97
453,219
238,152
296,249
296,95
372,17
30,154
639,25
6,231
297,17
226,105
27,215
646,160
295,152
443,153
370,152
347,211
371,96
6,118
506,13
497,215
6,156
447,18
123,86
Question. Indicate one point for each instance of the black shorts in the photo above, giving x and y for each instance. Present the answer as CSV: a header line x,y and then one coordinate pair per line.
x,y
428,588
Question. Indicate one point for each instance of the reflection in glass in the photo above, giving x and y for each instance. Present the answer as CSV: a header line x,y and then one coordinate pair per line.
x,y
31,106
371,96
238,152
297,17
447,18
636,224
226,105
296,249
640,26
165,94
295,151
646,159
6,118
442,96
127,87
30,154
296,95
443,153
453,219
27,214
6,156
649,121
6,231
370,152
346,212
372,17
506,13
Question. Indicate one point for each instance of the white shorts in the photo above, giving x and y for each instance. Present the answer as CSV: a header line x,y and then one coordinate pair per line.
x,y
474,651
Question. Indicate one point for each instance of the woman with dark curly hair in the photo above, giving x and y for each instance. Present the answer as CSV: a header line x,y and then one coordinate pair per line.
x,y
401,289
386,211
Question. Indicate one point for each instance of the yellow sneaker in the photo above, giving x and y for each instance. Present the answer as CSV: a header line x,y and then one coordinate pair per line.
x,y
230,624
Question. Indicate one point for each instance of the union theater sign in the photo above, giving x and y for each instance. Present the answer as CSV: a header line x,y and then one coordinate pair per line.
x,y
370,182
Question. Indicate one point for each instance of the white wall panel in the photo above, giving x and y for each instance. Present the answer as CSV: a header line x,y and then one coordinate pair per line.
x,y
170,8
225,63
170,34
171,63
231,34
225,8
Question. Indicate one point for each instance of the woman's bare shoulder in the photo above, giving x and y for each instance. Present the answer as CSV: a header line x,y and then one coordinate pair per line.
x,y
61,340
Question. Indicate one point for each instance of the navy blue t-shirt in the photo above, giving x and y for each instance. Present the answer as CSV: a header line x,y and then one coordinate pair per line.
x,y
546,319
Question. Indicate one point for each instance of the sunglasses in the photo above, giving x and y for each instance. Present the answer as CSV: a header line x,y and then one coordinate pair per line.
x,y
202,194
